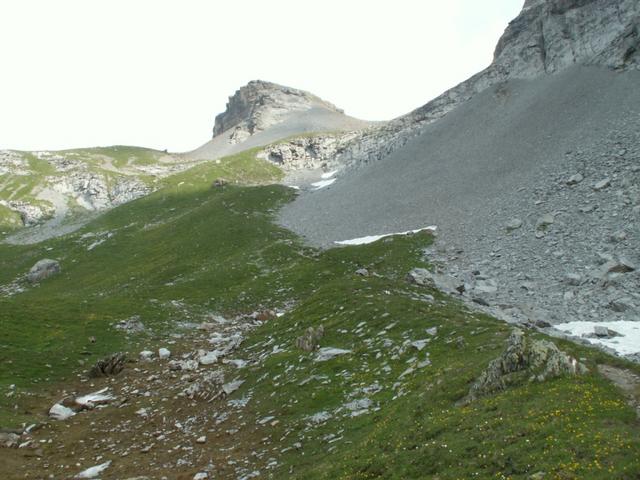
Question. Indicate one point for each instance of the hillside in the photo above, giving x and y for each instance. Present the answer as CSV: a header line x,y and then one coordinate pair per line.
x,y
193,269
53,193
452,294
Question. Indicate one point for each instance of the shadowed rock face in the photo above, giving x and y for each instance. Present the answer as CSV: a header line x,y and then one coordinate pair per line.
x,y
552,35
547,37
259,105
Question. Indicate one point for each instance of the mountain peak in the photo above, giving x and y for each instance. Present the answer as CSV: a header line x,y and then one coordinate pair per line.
x,y
260,104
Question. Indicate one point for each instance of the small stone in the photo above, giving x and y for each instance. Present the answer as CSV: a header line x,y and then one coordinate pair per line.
x,y
513,224
146,355
328,353
363,272
602,184
545,221
575,179
209,358
573,279
587,208
618,236
164,353
201,440
60,412
201,476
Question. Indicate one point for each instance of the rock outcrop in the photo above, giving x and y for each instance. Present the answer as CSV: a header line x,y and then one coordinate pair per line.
x,y
260,105
307,152
524,359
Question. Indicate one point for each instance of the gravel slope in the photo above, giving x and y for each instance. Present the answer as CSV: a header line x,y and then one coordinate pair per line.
x,y
515,233
471,162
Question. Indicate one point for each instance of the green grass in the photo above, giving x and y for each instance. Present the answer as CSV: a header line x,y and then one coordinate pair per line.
x,y
190,249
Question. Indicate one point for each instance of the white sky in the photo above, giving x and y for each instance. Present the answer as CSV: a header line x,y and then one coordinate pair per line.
x,y
78,73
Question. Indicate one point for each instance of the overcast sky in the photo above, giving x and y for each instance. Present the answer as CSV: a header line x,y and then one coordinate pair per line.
x,y
154,73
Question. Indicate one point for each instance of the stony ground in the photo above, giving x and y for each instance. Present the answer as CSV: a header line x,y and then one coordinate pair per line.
x,y
540,199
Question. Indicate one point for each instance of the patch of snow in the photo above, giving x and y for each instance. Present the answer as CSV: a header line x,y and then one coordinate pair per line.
x,y
375,238
328,175
626,344
323,183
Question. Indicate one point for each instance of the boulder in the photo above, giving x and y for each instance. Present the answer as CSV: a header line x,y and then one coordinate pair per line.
x,y
575,179
108,366
524,359
43,269
311,338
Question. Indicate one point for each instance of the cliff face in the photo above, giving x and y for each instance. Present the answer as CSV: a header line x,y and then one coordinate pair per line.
x,y
551,35
259,105
547,37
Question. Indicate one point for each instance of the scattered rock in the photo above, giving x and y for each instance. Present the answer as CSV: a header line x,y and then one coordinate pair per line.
x,y
513,224
9,440
164,353
131,325
231,387
327,353
573,279
108,366
311,338
545,221
575,179
60,412
207,358
601,331
91,400
43,269
146,355
363,272
602,184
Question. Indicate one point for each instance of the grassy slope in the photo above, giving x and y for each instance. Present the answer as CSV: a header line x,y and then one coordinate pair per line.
x,y
189,249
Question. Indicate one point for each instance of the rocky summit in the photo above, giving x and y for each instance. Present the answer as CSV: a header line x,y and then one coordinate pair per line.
x,y
451,294
260,105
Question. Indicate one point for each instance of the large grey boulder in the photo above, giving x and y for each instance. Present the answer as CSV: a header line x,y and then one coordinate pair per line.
x,y
523,359
43,269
